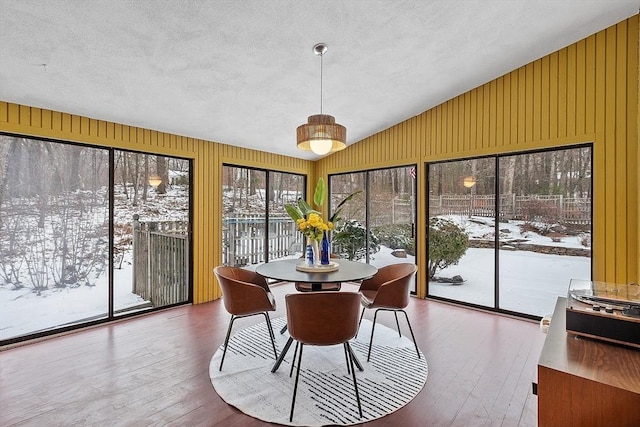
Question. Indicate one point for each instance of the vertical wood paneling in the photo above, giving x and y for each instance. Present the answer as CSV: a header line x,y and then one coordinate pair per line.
x,y
600,164
572,107
545,103
619,43
581,88
633,148
522,107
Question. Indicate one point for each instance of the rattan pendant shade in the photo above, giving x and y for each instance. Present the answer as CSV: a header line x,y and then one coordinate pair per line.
x,y
321,134
321,129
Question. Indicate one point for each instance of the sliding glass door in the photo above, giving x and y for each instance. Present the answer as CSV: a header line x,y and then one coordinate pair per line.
x,y
68,242
256,227
151,231
54,238
377,225
516,252
461,231
545,203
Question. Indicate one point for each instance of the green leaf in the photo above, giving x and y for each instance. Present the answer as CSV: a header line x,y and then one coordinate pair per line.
x,y
334,218
321,192
305,208
294,212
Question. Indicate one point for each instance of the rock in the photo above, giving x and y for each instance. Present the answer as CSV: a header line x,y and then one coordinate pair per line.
x,y
399,253
457,279
505,230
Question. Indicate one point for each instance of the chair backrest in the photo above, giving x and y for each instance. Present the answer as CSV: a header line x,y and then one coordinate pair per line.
x,y
243,291
323,318
392,283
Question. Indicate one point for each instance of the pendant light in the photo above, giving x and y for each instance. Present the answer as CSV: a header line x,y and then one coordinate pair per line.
x,y
321,134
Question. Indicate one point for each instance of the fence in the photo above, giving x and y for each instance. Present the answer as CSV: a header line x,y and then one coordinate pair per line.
x,y
243,239
160,261
527,208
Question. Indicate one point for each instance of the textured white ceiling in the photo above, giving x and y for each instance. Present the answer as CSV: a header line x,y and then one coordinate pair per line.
x,y
243,72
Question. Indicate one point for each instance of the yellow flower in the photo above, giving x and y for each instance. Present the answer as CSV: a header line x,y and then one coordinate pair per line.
x,y
313,227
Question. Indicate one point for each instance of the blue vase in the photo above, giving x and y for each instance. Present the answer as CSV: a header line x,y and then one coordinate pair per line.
x,y
324,250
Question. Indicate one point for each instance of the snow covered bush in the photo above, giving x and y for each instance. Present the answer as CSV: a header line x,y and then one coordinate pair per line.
x,y
349,241
447,244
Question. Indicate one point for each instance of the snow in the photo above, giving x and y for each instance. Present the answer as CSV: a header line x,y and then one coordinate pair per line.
x,y
529,283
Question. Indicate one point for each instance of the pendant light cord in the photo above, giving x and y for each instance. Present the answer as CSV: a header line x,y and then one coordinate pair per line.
x,y
321,55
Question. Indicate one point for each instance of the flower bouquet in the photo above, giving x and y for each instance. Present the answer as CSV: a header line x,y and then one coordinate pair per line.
x,y
310,222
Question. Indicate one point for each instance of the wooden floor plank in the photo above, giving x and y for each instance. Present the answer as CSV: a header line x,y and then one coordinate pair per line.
x,y
153,370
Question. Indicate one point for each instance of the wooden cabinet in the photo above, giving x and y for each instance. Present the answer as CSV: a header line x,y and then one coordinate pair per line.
x,y
583,382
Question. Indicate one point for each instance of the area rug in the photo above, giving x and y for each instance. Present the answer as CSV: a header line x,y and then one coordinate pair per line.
x,y
393,377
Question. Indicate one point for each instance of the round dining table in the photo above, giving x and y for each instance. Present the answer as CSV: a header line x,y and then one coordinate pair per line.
x,y
285,270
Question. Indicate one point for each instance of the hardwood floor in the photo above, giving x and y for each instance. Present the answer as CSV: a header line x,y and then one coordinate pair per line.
x,y
153,370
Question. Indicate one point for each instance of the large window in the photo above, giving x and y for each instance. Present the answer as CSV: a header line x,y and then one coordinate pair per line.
x,y
68,236
256,227
516,252
377,225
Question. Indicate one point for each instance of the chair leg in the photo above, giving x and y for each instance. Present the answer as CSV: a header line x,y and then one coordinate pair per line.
x,y
283,353
226,340
295,387
395,313
412,336
284,329
293,361
373,328
271,335
346,357
361,316
347,348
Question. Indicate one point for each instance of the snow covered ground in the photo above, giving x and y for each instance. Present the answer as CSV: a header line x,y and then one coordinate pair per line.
x,y
529,283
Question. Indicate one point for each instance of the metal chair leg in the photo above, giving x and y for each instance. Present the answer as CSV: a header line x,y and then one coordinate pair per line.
x,y
412,336
373,328
226,341
271,335
346,357
293,361
295,387
395,313
353,374
361,316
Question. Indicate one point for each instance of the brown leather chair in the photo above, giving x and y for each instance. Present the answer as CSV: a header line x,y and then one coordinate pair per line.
x,y
323,319
245,293
388,290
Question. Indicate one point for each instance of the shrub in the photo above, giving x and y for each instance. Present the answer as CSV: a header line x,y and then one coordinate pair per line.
x,y
396,236
349,241
447,244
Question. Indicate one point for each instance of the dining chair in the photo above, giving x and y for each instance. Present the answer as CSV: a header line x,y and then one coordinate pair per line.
x,y
245,293
388,290
323,319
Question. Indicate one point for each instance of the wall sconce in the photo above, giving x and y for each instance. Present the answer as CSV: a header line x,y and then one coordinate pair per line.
x,y
155,181
469,181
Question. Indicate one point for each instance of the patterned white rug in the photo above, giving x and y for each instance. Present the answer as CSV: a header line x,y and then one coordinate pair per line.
x,y
325,396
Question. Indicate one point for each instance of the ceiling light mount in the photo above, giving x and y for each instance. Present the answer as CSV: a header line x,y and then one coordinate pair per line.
x,y
321,134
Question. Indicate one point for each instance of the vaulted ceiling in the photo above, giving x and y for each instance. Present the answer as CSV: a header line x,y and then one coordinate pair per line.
x,y
243,72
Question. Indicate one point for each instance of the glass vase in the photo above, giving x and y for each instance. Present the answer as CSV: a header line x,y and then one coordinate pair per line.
x,y
316,250
324,250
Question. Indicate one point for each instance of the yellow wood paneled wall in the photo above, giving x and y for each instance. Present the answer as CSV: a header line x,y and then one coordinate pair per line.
x,y
586,92
208,158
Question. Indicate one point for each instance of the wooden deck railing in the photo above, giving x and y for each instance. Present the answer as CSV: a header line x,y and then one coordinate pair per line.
x,y
160,261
